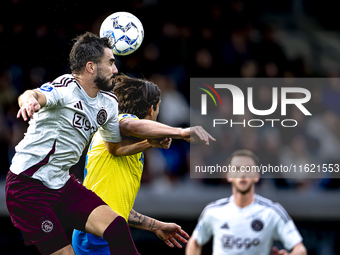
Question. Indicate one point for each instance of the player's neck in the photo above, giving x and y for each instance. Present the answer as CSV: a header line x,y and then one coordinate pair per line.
x,y
90,88
243,200
148,117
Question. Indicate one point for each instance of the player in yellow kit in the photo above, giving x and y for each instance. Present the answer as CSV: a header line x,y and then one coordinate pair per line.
x,y
117,179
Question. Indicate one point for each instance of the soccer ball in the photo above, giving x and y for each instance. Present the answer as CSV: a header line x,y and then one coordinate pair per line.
x,y
125,31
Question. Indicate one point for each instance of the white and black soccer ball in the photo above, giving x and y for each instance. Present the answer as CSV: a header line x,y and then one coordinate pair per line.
x,y
125,30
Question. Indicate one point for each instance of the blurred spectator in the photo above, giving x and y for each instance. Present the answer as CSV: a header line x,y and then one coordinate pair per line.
x,y
331,93
325,128
270,54
8,93
174,110
297,154
249,69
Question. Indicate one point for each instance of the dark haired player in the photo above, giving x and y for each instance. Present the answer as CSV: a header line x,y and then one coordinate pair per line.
x,y
245,223
117,179
42,198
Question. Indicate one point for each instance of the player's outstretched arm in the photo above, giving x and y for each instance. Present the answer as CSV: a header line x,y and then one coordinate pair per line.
x,y
163,143
193,248
298,249
128,146
132,145
170,233
153,130
196,134
30,102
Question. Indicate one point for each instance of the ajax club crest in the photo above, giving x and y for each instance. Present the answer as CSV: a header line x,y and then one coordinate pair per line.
x,y
101,117
47,226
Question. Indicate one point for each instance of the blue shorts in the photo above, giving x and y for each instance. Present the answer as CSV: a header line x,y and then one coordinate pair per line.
x,y
84,243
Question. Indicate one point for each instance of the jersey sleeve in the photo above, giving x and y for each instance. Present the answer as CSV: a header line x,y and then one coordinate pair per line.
x,y
110,130
57,91
287,233
203,231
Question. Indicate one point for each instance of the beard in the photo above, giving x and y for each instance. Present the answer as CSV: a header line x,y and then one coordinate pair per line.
x,y
104,83
246,190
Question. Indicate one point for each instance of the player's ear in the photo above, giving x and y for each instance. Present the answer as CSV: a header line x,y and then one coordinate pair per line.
x,y
150,112
90,67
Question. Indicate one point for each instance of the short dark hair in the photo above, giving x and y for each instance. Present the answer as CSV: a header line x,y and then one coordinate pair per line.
x,y
135,95
246,153
87,47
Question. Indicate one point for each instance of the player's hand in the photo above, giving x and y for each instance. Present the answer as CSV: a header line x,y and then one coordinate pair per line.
x,y
279,252
171,233
164,143
28,109
196,134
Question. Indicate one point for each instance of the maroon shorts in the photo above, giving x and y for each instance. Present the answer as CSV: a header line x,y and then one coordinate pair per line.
x,y
43,215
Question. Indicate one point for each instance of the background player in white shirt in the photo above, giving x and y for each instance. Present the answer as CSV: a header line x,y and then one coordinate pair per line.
x,y
245,223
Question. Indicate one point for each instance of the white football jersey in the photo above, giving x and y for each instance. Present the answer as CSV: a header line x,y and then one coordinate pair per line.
x,y
60,131
250,230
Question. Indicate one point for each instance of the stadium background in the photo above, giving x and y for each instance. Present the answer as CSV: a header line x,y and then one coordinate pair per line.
x,y
183,39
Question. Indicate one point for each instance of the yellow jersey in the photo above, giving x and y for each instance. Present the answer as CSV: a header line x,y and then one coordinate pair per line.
x,y
115,179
